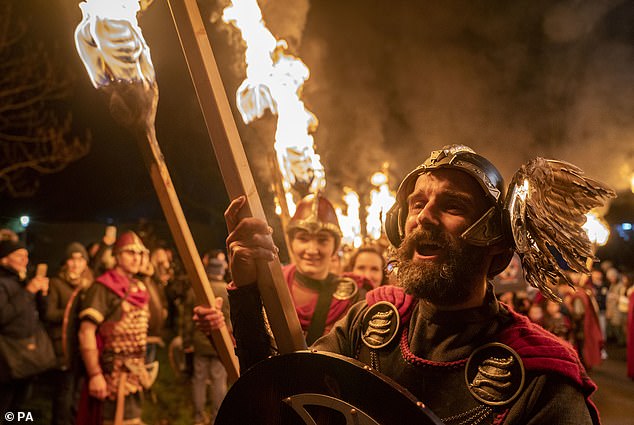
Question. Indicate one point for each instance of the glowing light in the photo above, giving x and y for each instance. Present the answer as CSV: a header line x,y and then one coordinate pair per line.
x,y
379,178
25,220
522,191
381,200
632,183
274,81
111,45
350,223
598,232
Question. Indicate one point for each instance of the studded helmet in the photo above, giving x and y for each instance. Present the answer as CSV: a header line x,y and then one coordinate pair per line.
x,y
487,230
315,213
129,241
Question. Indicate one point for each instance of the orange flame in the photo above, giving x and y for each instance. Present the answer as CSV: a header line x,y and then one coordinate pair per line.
x,y
274,81
111,45
350,223
597,230
381,200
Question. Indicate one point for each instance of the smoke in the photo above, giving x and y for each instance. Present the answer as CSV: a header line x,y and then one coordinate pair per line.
x,y
391,81
514,80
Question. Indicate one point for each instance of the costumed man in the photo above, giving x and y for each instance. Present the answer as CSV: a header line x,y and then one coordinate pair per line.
x,y
320,297
73,277
630,333
441,333
112,337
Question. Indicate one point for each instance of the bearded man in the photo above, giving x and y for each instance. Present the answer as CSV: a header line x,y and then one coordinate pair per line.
x,y
441,333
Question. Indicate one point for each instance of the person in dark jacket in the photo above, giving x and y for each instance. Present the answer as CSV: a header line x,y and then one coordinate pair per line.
x,y
73,277
21,304
208,370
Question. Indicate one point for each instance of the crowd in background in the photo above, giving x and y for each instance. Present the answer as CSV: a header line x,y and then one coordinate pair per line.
x,y
598,311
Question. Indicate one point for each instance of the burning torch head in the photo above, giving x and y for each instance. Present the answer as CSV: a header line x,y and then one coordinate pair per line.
x,y
486,231
315,213
111,45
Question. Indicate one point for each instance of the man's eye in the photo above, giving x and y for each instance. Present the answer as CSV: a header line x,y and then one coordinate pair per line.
x,y
455,207
416,205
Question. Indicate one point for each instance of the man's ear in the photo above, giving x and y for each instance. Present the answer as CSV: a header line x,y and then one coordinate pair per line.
x,y
501,255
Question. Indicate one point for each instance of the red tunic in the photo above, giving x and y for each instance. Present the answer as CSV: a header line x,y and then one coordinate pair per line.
x,y
338,307
593,338
630,337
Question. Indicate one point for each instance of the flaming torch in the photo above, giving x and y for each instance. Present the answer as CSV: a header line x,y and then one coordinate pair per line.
x,y
117,58
274,81
598,233
381,200
597,230
350,222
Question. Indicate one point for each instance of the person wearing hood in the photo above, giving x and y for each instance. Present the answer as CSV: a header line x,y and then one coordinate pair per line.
x,y
74,276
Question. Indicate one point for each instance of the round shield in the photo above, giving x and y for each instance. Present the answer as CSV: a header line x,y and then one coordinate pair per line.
x,y
319,388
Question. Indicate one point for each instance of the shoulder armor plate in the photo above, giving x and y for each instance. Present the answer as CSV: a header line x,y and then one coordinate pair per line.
x,y
380,325
346,289
495,374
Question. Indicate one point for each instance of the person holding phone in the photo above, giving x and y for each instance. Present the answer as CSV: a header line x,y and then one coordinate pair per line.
x,y
22,303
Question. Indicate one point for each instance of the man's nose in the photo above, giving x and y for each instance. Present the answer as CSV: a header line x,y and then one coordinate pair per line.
x,y
427,215
313,246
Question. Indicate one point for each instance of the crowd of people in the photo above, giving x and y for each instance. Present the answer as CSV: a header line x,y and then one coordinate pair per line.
x,y
590,316
110,307
103,313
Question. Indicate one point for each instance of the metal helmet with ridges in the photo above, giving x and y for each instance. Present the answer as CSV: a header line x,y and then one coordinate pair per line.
x,y
488,229
314,213
129,241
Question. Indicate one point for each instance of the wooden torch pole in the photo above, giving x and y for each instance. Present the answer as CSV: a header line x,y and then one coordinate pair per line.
x,y
233,164
137,101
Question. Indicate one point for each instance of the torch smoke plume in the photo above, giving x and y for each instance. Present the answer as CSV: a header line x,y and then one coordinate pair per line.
x,y
514,80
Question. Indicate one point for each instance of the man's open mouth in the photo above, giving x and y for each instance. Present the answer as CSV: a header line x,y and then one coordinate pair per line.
x,y
428,249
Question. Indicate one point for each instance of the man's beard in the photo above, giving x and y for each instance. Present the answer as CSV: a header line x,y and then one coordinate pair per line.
x,y
447,283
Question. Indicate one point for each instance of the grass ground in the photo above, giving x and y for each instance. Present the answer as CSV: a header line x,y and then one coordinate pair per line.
x,y
168,403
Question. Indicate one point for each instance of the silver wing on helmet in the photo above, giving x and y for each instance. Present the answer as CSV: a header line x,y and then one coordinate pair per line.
x,y
545,210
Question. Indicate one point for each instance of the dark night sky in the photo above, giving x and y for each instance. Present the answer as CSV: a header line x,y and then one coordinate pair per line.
x,y
389,81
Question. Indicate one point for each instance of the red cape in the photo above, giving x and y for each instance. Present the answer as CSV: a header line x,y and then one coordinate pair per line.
x,y
593,337
540,351
337,307
543,352
630,337
120,285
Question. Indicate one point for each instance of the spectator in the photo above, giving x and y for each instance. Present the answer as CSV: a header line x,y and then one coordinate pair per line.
x,y
73,277
157,305
600,286
614,316
623,307
583,310
536,314
22,303
208,370
556,322
369,263
630,333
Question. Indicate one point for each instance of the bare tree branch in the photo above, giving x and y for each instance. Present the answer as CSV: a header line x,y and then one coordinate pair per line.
x,y
34,140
